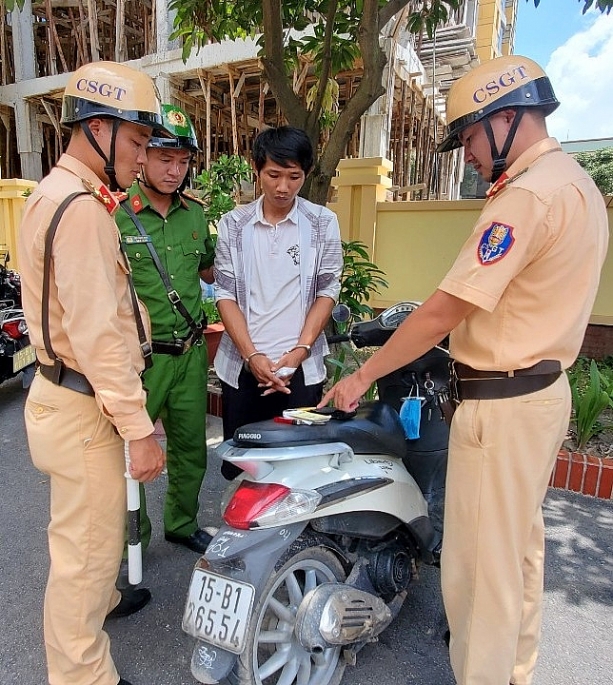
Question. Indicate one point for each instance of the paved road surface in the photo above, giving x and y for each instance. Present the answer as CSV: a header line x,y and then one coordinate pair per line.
x,y
150,648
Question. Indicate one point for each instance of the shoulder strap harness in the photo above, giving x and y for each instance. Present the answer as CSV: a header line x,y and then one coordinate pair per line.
x,y
172,294
58,364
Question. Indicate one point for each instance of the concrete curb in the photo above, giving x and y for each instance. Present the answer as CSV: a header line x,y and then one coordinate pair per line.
x,y
574,471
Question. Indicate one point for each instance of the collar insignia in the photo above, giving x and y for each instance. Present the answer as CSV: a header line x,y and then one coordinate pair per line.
x,y
137,203
498,186
503,182
495,243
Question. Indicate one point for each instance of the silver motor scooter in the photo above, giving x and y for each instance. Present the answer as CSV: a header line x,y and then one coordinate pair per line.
x,y
324,531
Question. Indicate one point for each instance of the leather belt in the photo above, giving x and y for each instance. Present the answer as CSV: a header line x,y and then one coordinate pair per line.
x,y
176,347
474,384
69,378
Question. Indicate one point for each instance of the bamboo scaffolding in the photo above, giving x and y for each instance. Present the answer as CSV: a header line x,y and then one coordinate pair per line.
x,y
229,103
120,30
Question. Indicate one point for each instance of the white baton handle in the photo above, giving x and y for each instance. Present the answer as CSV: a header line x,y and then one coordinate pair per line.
x,y
135,557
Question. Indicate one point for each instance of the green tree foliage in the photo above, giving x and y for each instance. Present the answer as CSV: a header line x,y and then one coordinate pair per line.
x,y
218,187
599,165
343,31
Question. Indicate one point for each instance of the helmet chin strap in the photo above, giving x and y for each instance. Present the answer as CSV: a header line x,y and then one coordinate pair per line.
x,y
499,159
109,162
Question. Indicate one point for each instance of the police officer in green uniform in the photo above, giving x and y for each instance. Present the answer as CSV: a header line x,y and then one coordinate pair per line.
x,y
167,240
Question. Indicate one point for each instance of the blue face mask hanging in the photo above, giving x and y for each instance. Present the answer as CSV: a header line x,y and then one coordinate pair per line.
x,y
410,416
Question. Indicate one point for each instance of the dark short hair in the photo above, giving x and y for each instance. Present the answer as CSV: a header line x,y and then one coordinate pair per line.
x,y
283,145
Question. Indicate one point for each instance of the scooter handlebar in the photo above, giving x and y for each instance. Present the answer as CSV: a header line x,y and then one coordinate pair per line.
x,y
341,337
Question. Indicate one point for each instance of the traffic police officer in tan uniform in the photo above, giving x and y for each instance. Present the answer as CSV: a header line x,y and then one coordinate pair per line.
x,y
517,302
87,398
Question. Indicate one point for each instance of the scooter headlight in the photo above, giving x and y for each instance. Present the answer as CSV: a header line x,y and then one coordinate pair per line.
x,y
263,505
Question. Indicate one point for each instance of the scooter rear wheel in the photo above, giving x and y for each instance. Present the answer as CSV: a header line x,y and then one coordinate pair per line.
x,y
273,654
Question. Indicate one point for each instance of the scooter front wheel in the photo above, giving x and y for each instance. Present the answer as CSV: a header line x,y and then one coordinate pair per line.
x,y
273,654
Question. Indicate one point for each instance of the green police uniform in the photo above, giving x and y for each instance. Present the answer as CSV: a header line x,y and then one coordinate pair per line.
x,y
176,384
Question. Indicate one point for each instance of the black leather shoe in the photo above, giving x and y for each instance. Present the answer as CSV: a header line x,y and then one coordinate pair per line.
x,y
123,682
198,541
132,600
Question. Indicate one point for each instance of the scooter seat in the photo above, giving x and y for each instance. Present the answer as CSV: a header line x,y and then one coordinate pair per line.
x,y
375,429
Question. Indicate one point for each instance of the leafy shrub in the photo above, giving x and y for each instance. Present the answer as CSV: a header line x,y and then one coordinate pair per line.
x,y
591,390
217,187
210,309
360,279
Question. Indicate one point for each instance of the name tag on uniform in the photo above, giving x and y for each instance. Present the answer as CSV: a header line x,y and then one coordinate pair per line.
x,y
136,239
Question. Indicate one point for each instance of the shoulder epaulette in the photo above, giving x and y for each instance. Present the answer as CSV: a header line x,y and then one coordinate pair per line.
x,y
104,195
189,196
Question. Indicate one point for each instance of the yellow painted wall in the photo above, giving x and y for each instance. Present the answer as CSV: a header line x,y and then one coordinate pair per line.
x,y
415,243
12,200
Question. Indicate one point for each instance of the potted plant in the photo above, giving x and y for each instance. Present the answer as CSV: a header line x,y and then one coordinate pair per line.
x,y
214,329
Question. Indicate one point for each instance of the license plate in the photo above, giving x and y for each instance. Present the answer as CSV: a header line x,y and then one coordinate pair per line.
x,y
24,357
217,610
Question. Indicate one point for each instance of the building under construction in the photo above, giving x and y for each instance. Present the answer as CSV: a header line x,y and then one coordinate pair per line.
x,y
223,87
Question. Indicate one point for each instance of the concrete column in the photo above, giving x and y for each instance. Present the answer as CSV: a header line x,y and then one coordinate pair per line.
x,y
164,19
162,82
376,122
29,130
374,132
29,141
361,184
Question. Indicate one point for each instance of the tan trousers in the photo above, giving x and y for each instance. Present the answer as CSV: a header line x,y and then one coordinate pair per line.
x,y
501,454
72,442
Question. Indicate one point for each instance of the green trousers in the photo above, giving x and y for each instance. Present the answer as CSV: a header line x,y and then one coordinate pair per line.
x,y
177,393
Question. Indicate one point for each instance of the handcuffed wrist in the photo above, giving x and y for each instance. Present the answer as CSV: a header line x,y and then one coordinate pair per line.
x,y
300,347
249,357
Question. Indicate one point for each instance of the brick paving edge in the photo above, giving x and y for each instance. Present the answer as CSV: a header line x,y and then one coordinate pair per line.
x,y
583,473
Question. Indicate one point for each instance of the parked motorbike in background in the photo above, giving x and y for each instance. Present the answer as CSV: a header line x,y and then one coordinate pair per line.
x,y
16,353
324,532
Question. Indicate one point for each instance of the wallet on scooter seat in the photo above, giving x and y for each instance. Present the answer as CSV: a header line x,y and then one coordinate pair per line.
x,y
316,416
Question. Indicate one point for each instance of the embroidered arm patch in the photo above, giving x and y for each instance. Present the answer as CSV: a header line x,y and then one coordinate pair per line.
x,y
495,243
